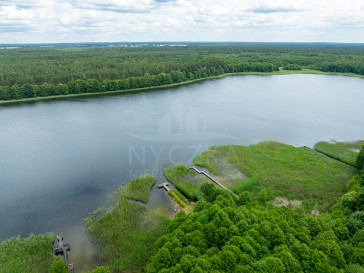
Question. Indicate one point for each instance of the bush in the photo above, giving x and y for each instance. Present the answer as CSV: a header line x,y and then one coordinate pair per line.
x,y
101,269
360,159
59,266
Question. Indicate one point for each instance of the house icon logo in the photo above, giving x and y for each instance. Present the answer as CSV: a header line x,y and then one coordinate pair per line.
x,y
182,123
182,120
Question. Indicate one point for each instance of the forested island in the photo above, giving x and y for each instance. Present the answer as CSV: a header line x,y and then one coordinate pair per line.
x,y
297,210
31,72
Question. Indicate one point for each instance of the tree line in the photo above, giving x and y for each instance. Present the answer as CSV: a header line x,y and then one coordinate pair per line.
x,y
42,71
81,86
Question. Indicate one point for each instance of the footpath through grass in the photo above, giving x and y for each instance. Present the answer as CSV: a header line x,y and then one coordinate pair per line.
x,y
32,254
283,170
127,232
338,151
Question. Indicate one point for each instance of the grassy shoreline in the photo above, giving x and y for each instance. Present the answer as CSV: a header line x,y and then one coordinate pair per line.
x,y
136,90
283,171
338,152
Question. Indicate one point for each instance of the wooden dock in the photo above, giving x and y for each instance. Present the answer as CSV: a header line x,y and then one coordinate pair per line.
x,y
209,177
61,249
164,185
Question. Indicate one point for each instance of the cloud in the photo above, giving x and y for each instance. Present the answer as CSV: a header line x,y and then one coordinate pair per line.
x,y
181,20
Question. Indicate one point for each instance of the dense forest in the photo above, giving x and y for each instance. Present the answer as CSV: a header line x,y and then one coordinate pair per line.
x,y
28,72
227,235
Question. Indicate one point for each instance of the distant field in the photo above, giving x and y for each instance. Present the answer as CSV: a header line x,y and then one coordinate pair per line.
x,y
338,151
283,170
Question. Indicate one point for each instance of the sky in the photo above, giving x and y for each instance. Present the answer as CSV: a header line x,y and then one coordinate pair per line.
x,y
50,21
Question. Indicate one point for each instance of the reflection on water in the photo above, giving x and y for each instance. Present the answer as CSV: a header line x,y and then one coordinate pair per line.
x,y
60,160
84,253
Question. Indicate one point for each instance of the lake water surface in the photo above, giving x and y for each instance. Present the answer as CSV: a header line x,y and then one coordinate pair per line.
x,y
60,159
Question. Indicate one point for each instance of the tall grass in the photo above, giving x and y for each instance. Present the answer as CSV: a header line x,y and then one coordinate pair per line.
x,y
283,170
126,234
185,180
32,254
181,201
356,145
139,188
337,151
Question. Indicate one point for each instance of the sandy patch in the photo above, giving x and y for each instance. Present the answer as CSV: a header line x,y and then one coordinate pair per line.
x,y
282,201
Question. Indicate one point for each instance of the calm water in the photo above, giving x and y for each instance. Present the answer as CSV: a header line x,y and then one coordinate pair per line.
x,y
59,160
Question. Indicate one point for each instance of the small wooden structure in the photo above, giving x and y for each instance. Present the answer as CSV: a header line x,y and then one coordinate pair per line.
x,y
61,249
209,177
164,185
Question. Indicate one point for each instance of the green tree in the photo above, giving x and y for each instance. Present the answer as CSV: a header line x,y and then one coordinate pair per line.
x,y
360,159
59,266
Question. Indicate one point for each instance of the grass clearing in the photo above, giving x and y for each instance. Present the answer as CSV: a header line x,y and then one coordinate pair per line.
x,y
337,151
139,188
127,233
181,201
185,180
283,170
32,254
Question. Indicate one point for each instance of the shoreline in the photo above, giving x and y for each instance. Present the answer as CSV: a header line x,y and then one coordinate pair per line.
x,y
136,90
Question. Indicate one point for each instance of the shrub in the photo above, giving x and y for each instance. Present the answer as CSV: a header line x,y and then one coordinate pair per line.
x,y
360,159
59,266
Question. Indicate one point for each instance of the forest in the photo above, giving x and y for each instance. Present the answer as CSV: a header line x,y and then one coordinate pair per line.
x,y
245,234
29,72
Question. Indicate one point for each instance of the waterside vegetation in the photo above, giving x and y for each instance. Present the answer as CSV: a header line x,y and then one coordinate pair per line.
x,y
138,189
127,230
337,151
282,171
31,254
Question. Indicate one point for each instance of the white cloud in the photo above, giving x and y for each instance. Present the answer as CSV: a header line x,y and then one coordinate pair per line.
x,y
181,20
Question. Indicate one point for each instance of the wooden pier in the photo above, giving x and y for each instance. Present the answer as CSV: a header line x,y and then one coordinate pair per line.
x,y
61,249
164,185
209,177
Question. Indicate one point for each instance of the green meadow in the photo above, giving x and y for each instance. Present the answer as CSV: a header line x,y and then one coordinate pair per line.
x,y
283,171
338,152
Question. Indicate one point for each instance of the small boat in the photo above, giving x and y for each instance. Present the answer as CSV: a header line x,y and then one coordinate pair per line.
x,y
175,208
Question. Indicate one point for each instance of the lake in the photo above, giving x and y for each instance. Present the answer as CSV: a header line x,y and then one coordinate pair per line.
x,y
60,159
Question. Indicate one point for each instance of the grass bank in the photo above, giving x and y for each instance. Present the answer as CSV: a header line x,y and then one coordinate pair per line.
x,y
283,170
354,145
127,232
185,180
337,151
282,72
138,189
181,201
32,254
